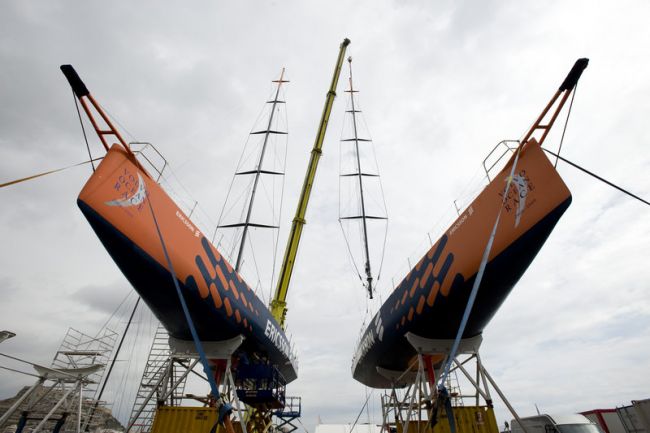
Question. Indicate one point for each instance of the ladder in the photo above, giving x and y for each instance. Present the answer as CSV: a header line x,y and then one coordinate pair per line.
x,y
159,363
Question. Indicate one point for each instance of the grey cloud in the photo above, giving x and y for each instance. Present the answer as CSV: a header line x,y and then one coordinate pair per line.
x,y
103,299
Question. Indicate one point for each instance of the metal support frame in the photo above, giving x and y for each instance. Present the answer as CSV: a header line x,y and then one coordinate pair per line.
x,y
181,353
291,412
418,398
412,402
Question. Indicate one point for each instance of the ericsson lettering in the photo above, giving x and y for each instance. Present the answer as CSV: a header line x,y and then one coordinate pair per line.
x,y
276,337
187,223
366,344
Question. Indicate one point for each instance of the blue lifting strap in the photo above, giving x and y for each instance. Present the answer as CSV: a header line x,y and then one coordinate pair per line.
x,y
479,277
449,410
199,347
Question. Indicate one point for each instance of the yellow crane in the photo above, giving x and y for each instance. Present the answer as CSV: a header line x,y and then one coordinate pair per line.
x,y
279,303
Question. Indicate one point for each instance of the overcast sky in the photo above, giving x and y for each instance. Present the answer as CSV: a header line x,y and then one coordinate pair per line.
x,y
441,83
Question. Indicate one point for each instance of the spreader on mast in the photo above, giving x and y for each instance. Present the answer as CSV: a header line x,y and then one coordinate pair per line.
x,y
361,212
258,171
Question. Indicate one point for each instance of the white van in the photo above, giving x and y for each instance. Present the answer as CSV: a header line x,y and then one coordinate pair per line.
x,y
572,423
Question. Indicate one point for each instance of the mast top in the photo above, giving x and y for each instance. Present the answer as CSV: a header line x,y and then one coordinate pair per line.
x,y
280,80
351,90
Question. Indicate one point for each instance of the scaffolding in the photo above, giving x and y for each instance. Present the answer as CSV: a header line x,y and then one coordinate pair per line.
x,y
163,384
169,364
64,396
161,372
424,407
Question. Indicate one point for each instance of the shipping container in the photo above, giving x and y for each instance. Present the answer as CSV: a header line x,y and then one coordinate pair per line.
x,y
176,419
469,419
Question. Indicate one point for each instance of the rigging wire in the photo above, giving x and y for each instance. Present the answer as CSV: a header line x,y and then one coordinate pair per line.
x,y
278,143
277,236
127,369
178,181
383,199
117,120
367,409
360,191
128,294
350,257
83,130
239,233
345,237
239,164
566,122
383,252
45,173
470,190
257,269
365,404
252,154
597,177
110,368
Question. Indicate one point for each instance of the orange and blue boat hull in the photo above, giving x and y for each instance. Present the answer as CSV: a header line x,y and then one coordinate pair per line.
x,y
431,299
119,201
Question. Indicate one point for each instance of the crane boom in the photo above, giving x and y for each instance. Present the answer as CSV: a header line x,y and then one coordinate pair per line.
x,y
279,304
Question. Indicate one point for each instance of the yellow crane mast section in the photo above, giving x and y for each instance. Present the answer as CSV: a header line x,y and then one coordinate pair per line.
x,y
279,304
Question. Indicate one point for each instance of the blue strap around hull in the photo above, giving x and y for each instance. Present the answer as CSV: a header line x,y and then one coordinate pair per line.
x,y
450,411
479,278
199,347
